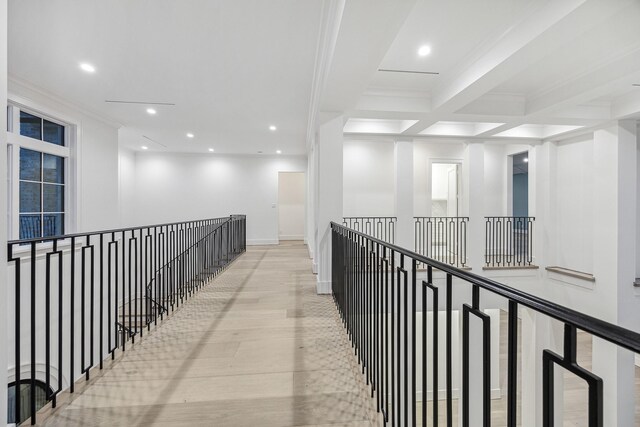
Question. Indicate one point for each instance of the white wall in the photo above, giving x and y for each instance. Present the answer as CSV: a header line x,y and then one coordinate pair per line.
x,y
3,208
291,206
96,177
368,178
638,208
177,187
574,205
495,175
126,186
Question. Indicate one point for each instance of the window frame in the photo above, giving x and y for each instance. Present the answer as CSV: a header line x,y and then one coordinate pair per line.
x,y
69,152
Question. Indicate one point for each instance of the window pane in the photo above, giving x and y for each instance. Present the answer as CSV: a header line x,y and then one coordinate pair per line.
x,y
53,133
24,394
53,225
30,226
53,168
30,165
53,197
30,125
30,197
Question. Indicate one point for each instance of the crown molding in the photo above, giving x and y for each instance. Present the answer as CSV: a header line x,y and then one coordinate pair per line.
x,y
14,81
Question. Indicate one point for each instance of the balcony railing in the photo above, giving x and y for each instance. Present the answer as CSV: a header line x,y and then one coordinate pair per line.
x,y
443,239
381,227
375,287
86,295
509,241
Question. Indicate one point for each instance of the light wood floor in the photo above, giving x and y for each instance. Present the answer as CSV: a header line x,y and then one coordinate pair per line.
x,y
256,347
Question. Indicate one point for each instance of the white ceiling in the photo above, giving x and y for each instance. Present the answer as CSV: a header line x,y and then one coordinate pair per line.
x,y
453,30
534,69
543,70
232,68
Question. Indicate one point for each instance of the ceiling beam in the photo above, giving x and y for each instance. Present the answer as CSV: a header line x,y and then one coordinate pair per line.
x,y
329,25
627,106
597,82
523,45
367,29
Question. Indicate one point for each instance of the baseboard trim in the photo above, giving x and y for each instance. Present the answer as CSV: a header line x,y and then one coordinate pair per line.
x,y
258,242
323,287
292,237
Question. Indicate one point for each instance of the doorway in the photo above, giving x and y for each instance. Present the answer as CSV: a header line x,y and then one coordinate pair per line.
x,y
445,189
520,185
291,214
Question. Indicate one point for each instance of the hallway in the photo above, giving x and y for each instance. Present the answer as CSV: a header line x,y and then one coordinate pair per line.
x,y
256,346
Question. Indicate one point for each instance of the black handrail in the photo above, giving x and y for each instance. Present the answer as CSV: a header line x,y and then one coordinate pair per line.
x,y
104,284
114,230
374,285
605,330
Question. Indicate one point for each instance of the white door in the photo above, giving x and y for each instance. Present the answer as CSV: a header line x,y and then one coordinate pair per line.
x,y
452,191
291,205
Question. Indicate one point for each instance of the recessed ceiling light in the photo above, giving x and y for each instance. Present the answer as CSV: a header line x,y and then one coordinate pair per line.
x,y
211,149
190,135
272,127
526,160
87,67
259,152
144,147
151,111
279,151
424,50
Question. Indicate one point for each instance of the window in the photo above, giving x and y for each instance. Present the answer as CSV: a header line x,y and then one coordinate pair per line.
x,y
41,194
38,160
23,393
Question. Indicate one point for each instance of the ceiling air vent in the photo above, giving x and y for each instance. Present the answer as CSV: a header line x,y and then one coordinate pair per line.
x,y
112,101
387,70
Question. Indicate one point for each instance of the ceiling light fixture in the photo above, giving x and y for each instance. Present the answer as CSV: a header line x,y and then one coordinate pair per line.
x,y
272,128
151,111
211,150
190,135
424,50
87,67
278,151
144,147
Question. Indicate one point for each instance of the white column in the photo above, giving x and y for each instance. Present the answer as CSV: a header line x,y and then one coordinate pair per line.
x,y
473,192
539,333
615,167
3,208
542,201
329,196
403,175
311,206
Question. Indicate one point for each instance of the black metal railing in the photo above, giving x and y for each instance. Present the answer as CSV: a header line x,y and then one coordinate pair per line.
x,y
86,295
509,241
382,227
442,238
377,293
